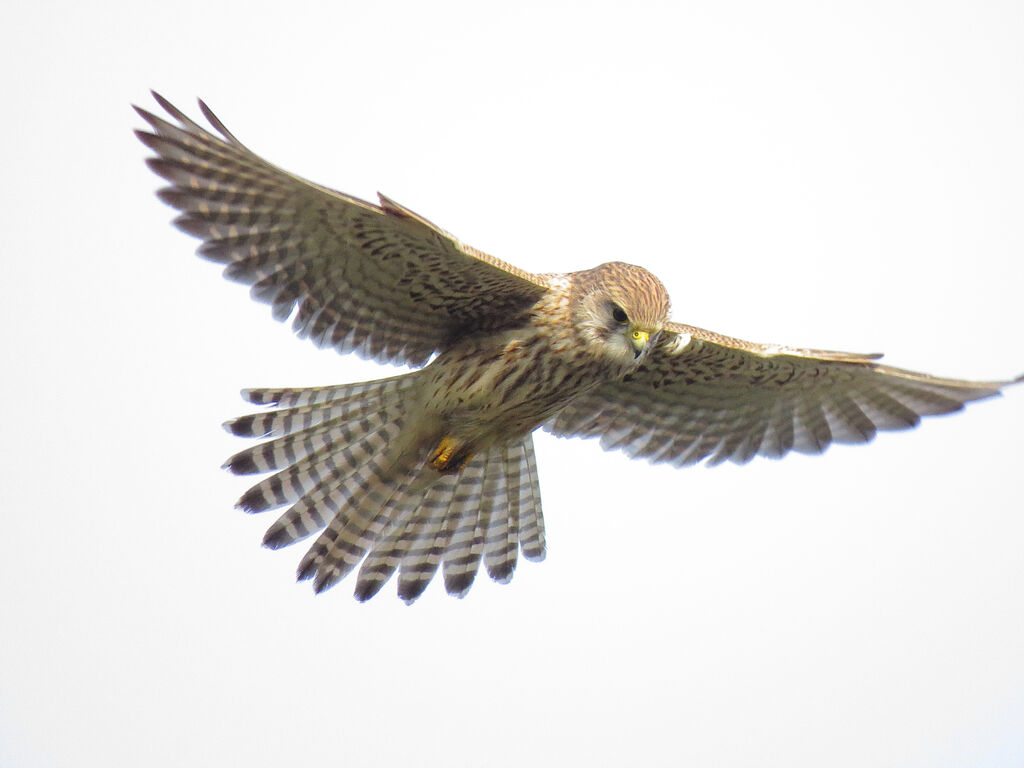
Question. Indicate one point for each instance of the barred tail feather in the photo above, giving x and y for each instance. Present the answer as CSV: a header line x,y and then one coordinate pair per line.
x,y
345,468
500,550
287,420
286,398
483,514
462,560
531,516
335,457
348,480
398,535
421,559
382,489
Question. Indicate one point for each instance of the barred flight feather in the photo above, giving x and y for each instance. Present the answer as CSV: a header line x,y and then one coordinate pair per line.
x,y
531,516
379,281
499,560
384,491
287,450
325,501
332,449
338,459
342,544
346,404
702,401
465,555
285,398
374,466
462,560
420,561
402,530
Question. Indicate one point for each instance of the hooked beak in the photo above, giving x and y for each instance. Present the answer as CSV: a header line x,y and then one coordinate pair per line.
x,y
639,341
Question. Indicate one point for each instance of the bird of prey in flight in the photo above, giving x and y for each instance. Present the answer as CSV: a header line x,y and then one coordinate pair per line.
x,y
435,469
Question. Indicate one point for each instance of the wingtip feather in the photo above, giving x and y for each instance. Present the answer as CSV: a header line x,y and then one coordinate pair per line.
x,y
173,111
217,124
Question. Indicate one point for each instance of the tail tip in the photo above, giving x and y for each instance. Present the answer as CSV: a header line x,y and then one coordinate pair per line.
x,y
242,426
366,589
502,572
276,538
458,586
241,464
409,592
260,396
252,501
325,579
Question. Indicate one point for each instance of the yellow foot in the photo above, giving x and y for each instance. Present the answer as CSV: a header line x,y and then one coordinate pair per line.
x,y
442,455
445,457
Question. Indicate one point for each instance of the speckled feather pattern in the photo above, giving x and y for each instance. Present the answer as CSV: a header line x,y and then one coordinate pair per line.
x,y
376,280
587,354
696,399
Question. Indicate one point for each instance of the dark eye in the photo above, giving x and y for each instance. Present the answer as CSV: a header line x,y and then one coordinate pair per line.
x,y
618,314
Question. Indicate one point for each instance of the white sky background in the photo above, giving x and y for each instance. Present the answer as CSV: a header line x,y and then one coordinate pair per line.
x,y
816,174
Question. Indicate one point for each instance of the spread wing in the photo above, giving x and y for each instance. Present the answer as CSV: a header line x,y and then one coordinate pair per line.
x,y
700,395
377,280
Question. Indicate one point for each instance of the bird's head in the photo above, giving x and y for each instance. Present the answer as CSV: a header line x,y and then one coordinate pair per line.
x,y
619,310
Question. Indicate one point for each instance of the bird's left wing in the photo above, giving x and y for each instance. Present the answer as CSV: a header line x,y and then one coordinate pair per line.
x,y
704,396
377,280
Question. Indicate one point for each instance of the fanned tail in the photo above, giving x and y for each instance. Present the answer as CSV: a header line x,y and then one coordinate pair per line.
x,y
342,464
485,513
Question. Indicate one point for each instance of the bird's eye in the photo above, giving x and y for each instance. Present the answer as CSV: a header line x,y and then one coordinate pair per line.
x,y
619,314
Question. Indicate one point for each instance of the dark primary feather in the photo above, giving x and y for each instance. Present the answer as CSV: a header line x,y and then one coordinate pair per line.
x,y
380,281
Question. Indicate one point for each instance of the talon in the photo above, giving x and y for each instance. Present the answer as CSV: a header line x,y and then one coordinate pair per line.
x,y
442,455
449,456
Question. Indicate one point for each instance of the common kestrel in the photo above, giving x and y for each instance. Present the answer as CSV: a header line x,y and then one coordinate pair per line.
x,y
436,467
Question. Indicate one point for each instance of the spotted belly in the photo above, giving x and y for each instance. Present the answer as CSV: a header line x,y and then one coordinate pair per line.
x,y
496,390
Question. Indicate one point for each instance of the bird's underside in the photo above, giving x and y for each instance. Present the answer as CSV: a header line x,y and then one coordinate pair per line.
x,y
435,469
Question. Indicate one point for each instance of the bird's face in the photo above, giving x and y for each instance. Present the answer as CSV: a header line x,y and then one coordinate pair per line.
x,y
620,312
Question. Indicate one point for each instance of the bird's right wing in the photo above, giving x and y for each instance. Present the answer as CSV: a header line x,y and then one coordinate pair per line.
x,y
377,280
704,396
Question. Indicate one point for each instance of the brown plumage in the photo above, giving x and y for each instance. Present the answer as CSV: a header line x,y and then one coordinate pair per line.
x,y
435,469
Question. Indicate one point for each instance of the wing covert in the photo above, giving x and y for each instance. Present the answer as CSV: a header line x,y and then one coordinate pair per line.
x,y
380,281
701,396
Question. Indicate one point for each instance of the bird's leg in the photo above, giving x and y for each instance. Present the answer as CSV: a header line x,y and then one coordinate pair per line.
x,y
449,455
441,455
